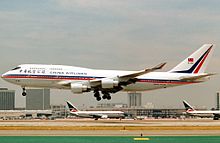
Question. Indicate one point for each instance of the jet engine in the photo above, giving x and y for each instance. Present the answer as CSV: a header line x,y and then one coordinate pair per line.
x,y
104,116
79,88
109,83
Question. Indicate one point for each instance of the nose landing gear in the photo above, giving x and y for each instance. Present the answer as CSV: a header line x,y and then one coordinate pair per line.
x,y
24,93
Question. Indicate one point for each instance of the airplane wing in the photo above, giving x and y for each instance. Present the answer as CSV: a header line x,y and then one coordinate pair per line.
x,y
195,77
119,81
128,78
139,73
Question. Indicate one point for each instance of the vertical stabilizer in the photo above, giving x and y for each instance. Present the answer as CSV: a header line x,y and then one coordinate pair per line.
x,y
196,62
71,107
188,107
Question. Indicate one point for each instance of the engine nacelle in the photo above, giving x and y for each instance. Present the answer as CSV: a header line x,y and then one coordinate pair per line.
x,y
79,88
104,116
109,83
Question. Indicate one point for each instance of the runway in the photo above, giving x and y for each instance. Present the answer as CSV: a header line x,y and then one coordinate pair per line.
x,y
89,127
113,122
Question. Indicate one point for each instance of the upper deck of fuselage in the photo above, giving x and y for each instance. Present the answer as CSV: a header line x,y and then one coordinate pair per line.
x,y
51,67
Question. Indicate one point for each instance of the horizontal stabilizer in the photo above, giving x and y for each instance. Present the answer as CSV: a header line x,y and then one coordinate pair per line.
x,y
195,77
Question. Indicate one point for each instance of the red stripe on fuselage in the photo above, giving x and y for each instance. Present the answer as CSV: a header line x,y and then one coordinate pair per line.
x,y
49,78
154,81
166,82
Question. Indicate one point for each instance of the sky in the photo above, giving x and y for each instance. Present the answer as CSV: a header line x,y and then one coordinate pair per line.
x,y
116,34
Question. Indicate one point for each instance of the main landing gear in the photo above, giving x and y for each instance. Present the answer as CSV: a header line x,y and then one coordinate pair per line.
x,y
106,95
97,96
24,93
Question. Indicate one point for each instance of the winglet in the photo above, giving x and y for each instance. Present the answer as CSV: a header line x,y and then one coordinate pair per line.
x,y
160,66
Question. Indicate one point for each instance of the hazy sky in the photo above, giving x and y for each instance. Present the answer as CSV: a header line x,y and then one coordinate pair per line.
x,y
111,34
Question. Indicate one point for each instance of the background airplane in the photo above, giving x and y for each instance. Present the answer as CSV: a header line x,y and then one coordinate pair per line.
x,y
94,114
79,80
201,113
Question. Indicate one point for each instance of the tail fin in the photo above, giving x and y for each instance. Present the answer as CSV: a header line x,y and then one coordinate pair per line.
x,y
188,107
71,107
197,62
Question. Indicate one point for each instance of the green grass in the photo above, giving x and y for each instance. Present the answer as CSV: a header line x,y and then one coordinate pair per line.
x,y
108,139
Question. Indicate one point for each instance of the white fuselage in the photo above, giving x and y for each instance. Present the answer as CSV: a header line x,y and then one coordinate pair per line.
x,y
53,76
205,113
99,114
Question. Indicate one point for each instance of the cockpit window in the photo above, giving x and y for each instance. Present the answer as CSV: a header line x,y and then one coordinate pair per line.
x,y
16,68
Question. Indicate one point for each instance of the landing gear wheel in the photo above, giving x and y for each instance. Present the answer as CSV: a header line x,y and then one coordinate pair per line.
x,y
24,92
104,97
96,94
98,98
109,97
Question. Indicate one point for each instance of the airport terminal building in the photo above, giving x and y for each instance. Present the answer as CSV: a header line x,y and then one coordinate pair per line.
x,y
38,99
38,104
7,99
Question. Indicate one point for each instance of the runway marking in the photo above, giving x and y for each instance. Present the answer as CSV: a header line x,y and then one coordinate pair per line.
x,y
141,139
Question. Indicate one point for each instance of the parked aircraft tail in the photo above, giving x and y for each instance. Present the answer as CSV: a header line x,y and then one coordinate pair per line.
x,y
188,107
71,107
196,62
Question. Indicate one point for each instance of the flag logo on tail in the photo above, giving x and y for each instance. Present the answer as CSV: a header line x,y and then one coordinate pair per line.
x,y
190,60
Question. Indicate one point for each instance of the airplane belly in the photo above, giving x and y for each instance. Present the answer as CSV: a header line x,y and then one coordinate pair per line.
x,y
41,83
145,86
115,115
84,115
202,115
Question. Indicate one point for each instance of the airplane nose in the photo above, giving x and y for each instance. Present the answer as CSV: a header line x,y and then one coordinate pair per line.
x,y
3,75
6,76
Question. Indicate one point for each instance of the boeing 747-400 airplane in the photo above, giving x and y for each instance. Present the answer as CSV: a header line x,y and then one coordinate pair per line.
x,y
79,80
